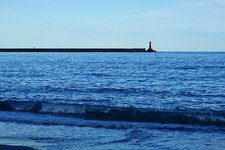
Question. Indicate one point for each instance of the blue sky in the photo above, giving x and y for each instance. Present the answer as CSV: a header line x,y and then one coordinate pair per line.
x,y
169,24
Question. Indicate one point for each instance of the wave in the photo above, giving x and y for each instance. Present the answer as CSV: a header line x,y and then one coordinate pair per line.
x,y
99,112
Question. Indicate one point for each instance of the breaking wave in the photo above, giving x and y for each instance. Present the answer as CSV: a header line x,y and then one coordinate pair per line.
x,y
131,114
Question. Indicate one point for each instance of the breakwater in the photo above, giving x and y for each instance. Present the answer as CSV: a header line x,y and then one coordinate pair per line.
x,y
74,50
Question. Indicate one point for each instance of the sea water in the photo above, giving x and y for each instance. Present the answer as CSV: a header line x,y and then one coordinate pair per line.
x,y
164,100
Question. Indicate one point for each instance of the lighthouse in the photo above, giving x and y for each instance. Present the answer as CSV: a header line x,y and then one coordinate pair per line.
x,y
150,48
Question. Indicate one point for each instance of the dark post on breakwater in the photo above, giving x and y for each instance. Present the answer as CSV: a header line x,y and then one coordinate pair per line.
x,y
78,49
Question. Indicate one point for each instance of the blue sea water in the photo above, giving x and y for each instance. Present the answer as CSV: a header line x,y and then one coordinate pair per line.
x,y
164,100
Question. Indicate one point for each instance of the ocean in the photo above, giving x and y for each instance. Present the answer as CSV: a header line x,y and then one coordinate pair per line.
x,y
69,101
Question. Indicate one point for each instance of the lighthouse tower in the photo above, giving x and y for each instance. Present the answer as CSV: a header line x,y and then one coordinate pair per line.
x,y
150,48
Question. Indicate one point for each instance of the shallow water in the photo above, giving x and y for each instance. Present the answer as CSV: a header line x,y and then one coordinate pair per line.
x,y
183,86
71,133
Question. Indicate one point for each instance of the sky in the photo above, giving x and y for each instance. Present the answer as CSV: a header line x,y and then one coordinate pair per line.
x,y
169,24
